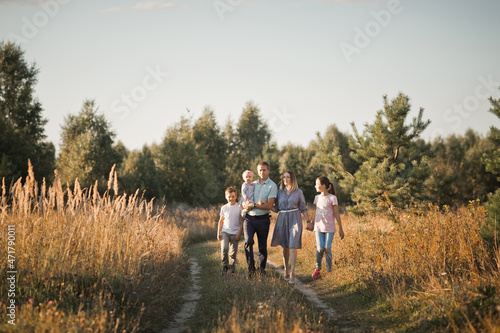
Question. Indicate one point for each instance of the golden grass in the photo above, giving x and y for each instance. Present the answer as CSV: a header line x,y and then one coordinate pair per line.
x,y
112,263
260,304
88,262
432,269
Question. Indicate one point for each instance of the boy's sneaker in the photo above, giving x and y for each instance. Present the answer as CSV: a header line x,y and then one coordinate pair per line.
x,y
315,274
224,271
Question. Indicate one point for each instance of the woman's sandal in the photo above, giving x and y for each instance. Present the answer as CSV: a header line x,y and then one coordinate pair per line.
x,y
286,276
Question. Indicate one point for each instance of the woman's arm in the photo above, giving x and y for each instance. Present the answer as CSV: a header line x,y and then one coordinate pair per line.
x,y
305,216
302,206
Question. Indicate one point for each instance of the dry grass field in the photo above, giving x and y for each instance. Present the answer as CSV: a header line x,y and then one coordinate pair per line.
x,y
430,271
116,263
87,262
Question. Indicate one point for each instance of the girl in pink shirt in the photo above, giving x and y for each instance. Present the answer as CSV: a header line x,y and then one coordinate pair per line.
x,y
327,211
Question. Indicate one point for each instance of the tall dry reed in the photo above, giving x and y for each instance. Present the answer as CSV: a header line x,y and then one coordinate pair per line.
x,y
90,262
431,268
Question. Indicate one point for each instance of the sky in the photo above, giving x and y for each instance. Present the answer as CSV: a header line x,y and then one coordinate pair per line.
x,y
306,64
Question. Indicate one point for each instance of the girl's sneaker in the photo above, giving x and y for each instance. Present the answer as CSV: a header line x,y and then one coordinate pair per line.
x,y
315,274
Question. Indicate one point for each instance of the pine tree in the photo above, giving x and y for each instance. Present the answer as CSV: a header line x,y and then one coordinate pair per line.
x,y
394,164
333,156
22,131
491,231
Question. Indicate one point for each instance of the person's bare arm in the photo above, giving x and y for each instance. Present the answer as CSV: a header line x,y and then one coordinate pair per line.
x,y
221,221
248,206
265,205
305,216
238,235
339,221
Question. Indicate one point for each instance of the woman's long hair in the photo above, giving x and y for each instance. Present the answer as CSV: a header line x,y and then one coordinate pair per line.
x,y
293,181
329,186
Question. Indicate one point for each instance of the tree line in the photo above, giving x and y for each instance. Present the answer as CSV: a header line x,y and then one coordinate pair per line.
x,y
385,167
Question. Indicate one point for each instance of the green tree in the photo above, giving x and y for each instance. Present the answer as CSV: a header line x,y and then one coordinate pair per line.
x,y
247,143
271,154
210,142
299,160
185,169
491,231
394,165
253,133
333,157
231,167
139,171
87,149
22,131
457,173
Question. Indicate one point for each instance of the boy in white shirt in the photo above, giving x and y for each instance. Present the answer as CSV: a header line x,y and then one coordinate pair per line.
x,y
229,231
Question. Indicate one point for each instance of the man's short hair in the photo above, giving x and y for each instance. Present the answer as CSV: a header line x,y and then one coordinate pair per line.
x,y
263,163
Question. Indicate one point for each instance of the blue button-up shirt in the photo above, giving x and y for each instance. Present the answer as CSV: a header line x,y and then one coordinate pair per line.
x,y
263,192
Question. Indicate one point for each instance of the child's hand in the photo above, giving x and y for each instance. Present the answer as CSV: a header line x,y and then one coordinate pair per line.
x,y
310,226
341,233
237,238
219,236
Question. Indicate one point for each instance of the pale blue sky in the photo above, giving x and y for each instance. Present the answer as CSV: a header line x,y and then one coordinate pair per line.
x,y
307,64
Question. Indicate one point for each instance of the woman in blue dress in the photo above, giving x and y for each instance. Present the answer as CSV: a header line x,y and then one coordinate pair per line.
x,y
290,203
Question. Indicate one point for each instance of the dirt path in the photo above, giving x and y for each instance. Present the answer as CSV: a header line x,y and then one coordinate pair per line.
x,y
188,309
309,293
191,298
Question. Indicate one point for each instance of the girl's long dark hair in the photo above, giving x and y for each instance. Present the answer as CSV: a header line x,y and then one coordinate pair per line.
x,y
329,186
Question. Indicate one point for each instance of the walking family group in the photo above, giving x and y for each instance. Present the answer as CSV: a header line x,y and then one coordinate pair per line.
x,y
251,216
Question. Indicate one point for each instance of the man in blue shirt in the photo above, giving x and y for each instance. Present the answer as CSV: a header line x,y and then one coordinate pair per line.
x,y
257,219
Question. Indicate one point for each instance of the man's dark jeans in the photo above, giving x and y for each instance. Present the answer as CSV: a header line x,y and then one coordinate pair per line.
x,y
256,225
